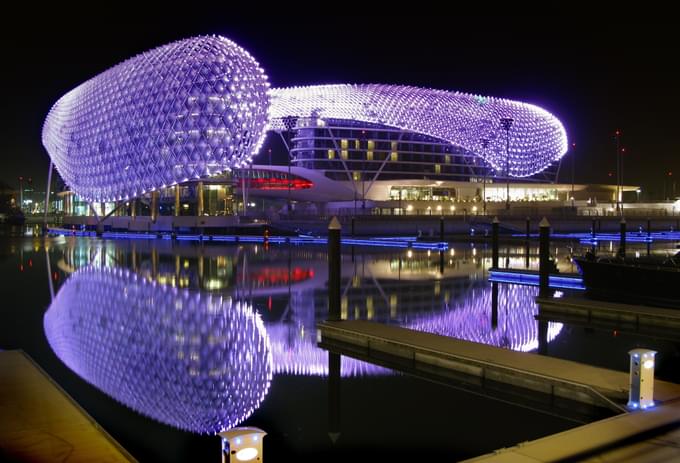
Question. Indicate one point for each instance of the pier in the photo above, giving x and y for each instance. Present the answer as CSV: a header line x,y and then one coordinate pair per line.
x,y
41,422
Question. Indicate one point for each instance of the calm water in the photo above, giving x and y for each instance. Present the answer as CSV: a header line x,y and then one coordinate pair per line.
x,y
164,343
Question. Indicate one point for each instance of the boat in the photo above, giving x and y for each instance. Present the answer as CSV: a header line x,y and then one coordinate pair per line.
x,y
647,280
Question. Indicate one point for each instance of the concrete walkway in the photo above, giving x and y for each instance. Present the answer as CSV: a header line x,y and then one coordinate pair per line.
x,y
643,436
40,422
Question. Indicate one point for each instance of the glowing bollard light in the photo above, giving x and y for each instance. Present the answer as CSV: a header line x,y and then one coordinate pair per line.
x,y
641,393
242,444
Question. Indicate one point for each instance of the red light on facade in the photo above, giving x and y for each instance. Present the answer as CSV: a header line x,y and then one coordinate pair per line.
x,y
278,183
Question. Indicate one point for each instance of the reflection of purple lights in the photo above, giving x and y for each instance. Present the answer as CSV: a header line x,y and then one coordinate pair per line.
x,y
298,354
197,362
470,319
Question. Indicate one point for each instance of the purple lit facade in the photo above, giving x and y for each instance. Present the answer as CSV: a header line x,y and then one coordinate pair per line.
x,y
537,138
186,110
201,106
197,362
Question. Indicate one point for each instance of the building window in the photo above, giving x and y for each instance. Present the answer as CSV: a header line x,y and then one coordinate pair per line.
x,y
356,176
369,155
371,145
447,159
357,145
343,144
343,154
437,169
394,156
331,154
394,146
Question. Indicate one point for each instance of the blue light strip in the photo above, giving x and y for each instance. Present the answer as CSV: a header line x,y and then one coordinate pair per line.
x,y
390,242
531,279
632,237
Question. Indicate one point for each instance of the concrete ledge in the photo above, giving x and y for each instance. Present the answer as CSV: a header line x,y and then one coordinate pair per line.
x,y
596,440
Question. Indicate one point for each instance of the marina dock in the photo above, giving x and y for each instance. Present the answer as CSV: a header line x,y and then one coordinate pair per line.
x,y
41,422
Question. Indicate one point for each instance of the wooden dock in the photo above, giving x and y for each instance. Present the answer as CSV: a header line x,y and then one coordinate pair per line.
x,y
641,320
40,422
531,372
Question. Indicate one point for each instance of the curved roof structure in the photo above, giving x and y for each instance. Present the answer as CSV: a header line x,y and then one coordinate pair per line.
x,y
202,106
185,110
197,362
536,138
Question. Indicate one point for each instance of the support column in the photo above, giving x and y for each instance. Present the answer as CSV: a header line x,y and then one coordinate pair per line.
x,y
154,205
177,204
47,196
199,197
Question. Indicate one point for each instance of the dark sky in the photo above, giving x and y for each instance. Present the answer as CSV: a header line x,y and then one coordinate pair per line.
x,y
596,75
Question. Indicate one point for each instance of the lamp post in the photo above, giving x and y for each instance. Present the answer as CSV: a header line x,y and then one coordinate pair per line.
x,y
21,193
638,191
617,137
506,123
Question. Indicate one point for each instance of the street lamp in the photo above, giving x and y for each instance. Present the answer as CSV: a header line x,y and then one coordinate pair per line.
x,y
638,191
506,123
617,137
21,193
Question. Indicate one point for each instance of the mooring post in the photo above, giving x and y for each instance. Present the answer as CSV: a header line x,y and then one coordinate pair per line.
x,y
528,228
334,229
592,229
544,258
334,396
494,305
494,242
622,239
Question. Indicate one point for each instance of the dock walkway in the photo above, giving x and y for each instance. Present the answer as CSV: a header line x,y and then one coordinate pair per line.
x,y
40,422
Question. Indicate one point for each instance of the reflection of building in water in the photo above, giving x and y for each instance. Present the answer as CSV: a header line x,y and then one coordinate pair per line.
x,y
287,285
197,362
470,318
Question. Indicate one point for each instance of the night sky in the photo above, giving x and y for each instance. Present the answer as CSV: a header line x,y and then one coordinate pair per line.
x,y
595,76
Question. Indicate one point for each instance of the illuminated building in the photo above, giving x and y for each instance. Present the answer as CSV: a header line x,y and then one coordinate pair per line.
x,y
184,119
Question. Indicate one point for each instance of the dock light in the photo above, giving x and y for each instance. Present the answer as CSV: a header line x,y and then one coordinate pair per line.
x,y
242,444
641,393
409,207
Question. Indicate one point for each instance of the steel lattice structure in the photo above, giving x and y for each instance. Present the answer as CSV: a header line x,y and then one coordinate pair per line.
x,y
193,361
536,138
182,111
202,106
